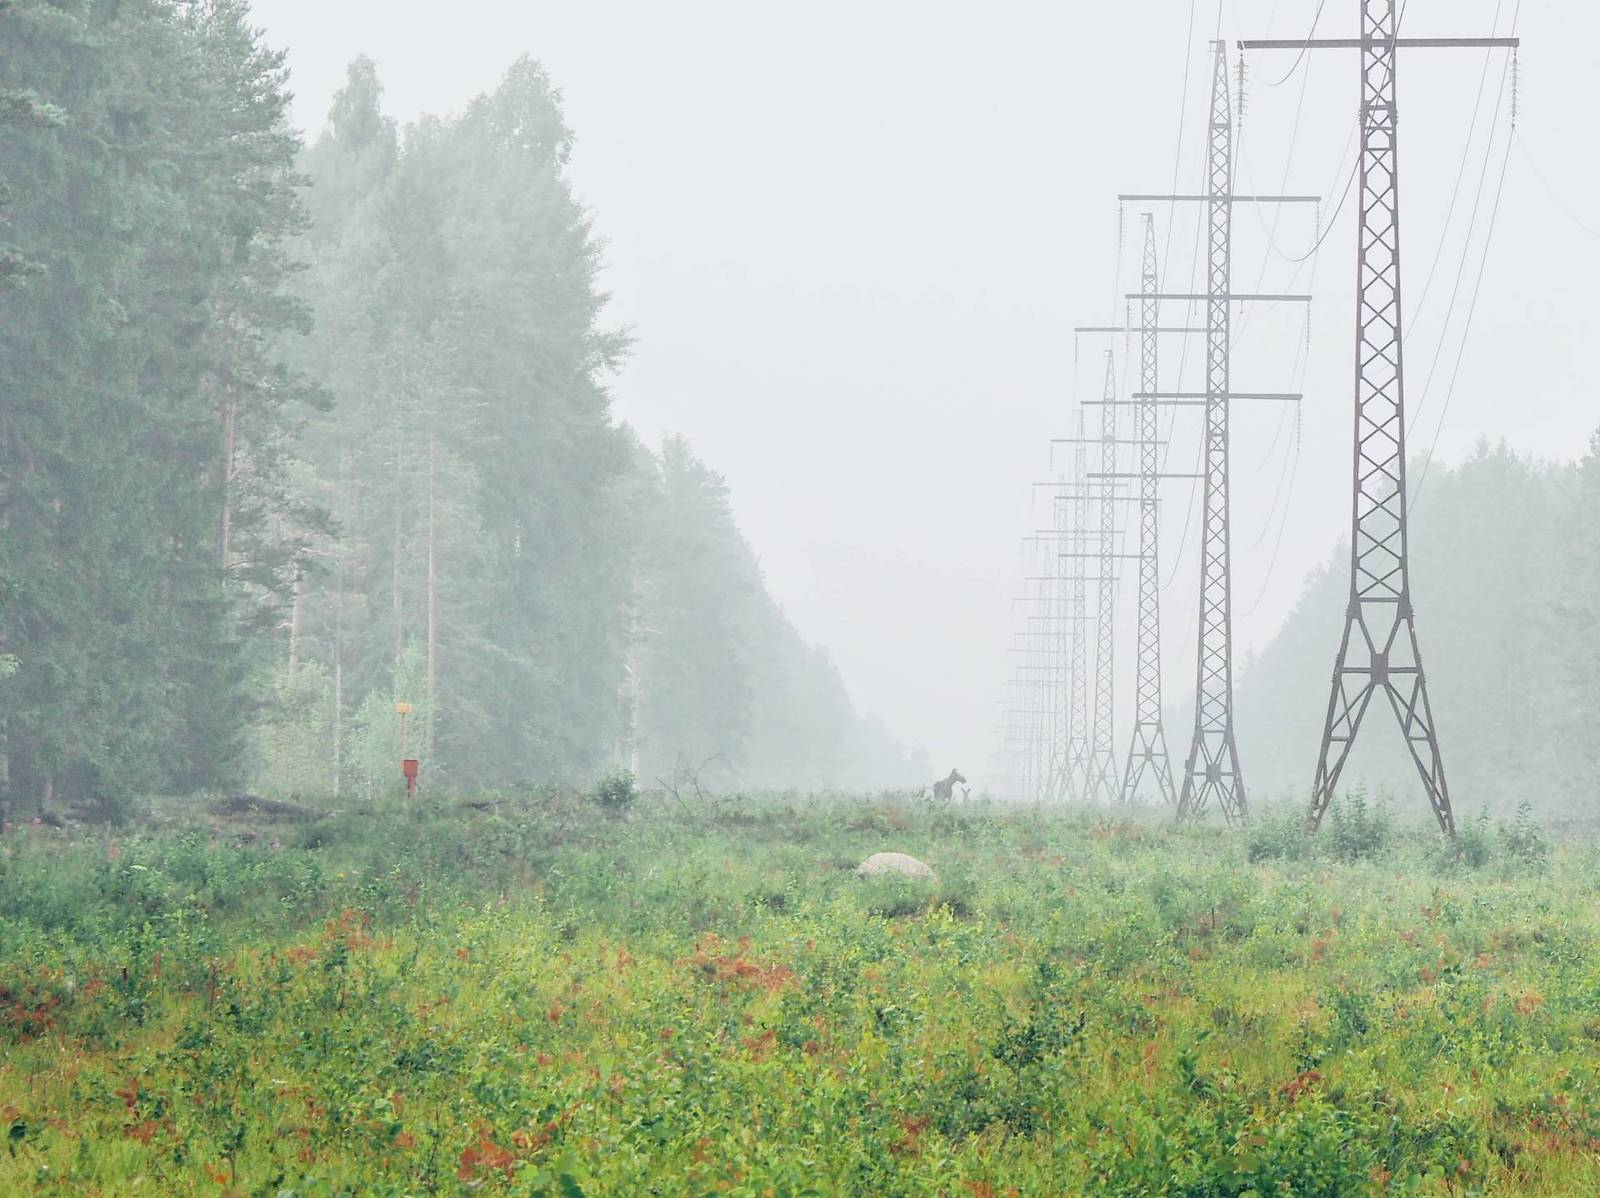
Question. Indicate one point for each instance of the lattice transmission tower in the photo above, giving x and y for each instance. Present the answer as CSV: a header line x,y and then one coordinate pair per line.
x,y
1212,773
1052,675
1378,653
1094,776
1101,783
1075,783
1063,631
1088,766
1147,752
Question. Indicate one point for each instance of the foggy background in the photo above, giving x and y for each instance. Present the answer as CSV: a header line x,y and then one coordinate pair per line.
x,y
852,242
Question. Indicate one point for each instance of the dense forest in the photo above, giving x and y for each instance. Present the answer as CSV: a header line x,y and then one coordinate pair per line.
x,y
294,433
1506,580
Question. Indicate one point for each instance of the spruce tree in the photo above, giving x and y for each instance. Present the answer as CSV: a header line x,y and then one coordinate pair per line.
x,y
145,211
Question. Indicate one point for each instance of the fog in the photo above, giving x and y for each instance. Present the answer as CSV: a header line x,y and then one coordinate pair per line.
x,y
842,256
520,525
853,242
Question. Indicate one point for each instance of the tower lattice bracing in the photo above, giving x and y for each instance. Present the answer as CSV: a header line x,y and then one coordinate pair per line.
x,y
1149,764
1102,782
1078,743
1378,654
1061,676
1212,774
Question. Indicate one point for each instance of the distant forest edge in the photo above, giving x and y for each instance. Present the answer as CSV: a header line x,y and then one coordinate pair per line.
x,y
292,433
1506,584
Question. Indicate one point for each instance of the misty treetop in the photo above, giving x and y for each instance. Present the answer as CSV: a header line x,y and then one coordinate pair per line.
x,y
292,433
152,186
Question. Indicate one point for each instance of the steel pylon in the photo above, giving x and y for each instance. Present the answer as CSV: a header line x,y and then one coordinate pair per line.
x,y
1102,781
1378,654
1060,655
1078,775
1148,759
1212,774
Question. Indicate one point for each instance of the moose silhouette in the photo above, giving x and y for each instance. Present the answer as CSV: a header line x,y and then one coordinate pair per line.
x,y
943,790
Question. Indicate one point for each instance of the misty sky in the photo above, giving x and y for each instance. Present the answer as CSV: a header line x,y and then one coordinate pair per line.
x,y
853,239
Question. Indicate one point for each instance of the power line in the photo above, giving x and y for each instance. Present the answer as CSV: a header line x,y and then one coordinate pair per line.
x,y
1301,57
1277,544
1561,205
1245,322
1455,197
1292,465
1461,352
1466,251
1288,162
1300,260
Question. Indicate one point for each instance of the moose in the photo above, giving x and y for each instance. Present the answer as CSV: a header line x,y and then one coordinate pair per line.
x,y
944,789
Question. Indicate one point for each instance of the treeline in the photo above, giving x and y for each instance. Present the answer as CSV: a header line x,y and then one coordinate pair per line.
x,y
294,434
1506,580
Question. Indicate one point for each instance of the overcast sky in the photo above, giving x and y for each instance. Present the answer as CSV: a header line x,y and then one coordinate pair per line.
x,y
853,238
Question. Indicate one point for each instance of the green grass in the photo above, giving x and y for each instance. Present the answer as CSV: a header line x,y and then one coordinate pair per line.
x,y
550,995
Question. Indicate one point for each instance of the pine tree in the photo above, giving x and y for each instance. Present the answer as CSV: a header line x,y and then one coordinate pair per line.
x,y
145,210
457,324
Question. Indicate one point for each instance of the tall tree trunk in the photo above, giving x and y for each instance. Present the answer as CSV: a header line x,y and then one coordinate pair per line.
x,y
338,716
295,619
399,539
395,600
229,453
346,488
632,666
433,592
5,723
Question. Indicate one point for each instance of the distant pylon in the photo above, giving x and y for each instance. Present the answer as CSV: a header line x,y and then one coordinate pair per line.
x,y
1103,784
1061,654
1148,759
1078,744
1212,773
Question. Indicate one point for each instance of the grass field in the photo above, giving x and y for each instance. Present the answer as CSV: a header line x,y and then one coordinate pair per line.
x,y
549,995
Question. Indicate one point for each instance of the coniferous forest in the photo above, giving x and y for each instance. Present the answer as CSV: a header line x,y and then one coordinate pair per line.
x,y
297,431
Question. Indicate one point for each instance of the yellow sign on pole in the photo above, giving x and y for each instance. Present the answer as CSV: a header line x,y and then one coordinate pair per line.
x,y
403,710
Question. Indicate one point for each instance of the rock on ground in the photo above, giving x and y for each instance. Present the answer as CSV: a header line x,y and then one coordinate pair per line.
x,y
881,864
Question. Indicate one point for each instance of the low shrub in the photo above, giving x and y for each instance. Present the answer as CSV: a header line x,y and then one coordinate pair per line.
x,y
616,792
1359,830
519,995
1523,842
1279,834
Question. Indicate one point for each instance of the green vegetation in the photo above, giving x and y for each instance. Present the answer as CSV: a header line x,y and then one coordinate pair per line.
x,y
150,190
294,432
308,464
623,993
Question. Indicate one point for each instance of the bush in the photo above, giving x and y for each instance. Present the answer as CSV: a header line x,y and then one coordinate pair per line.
x,y
518,979
1279,835
1359,830
616,792
1474,843
1522,840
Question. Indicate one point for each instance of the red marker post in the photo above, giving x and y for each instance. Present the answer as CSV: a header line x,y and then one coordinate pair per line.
x,y
410,767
